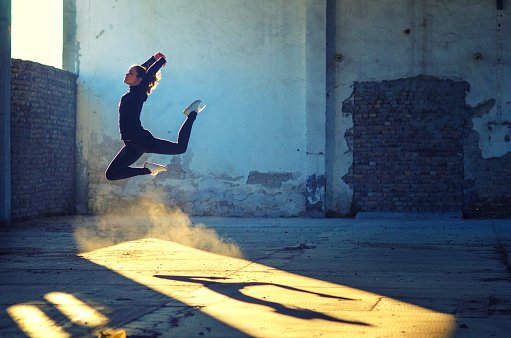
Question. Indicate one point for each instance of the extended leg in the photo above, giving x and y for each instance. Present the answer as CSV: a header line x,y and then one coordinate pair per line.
x,y
165,147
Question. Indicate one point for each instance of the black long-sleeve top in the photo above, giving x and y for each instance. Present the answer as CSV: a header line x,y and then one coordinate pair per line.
x,y
132,101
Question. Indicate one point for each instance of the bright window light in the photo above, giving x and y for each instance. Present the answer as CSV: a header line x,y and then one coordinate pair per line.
x,y
37,31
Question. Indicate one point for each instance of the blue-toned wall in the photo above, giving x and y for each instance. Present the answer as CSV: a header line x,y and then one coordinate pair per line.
x,y
278,78
259,68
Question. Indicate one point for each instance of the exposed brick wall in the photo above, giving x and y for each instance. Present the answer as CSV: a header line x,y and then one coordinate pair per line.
x,y
43,134
408,145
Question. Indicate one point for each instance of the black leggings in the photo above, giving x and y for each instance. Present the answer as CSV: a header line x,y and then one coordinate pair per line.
x,y
120,168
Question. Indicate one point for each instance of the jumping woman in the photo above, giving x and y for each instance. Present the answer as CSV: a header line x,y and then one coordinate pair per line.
x,y
142,79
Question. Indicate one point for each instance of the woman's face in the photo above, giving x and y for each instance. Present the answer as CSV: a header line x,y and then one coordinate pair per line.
x,y
131,78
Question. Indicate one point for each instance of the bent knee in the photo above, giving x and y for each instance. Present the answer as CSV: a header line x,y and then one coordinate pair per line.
x,y
182,149
109,175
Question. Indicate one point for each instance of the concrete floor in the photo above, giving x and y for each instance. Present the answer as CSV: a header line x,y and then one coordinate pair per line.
x,y
169,275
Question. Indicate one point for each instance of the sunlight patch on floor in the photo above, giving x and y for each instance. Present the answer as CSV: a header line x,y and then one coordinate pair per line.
x,y
77,311
34,322
270,302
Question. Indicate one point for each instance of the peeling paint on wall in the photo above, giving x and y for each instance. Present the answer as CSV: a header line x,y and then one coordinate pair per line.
x,y
206,196
261,194
494,131
269,180
315,195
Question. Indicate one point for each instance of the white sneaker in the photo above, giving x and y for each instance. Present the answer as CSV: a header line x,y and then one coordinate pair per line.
x,y
195,106
154,168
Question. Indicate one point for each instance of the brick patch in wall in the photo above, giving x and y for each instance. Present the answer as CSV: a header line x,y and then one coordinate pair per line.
x,y
408,145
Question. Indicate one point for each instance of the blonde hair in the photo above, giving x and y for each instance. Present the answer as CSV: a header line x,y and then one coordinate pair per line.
x,y
153,82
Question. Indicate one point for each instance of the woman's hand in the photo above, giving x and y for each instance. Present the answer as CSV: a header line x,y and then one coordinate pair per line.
x,y
158,56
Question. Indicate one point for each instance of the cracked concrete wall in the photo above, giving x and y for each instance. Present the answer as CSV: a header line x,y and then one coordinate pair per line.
x,y
247,60
388,40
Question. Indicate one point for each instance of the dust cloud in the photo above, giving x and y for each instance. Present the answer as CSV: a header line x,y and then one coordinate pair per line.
x,y
148,219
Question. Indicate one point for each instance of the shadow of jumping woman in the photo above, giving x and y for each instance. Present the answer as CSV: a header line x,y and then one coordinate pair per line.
x,y
233,290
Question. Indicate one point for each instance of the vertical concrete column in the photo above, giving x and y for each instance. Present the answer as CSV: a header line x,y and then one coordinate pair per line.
x,y
5,115
71,63
70,47
315,72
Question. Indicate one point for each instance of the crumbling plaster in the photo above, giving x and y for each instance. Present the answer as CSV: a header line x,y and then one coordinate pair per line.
x,y
494,130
